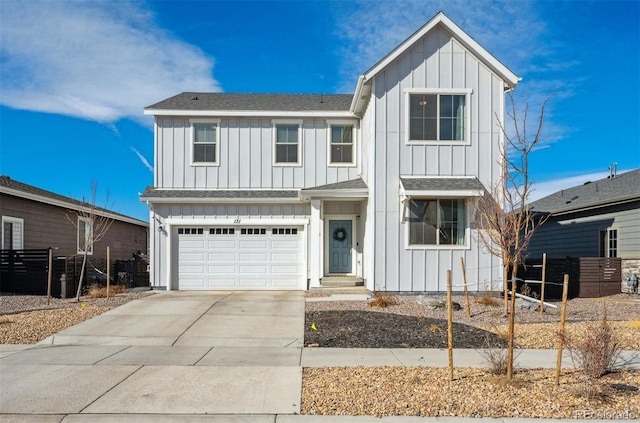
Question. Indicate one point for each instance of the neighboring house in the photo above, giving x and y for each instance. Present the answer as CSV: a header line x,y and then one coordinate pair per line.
x,y
295,191
596,219
33,218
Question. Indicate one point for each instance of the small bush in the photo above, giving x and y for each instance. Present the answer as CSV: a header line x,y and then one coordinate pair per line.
x,y
487,298
383,300
97,291
594,354
496,358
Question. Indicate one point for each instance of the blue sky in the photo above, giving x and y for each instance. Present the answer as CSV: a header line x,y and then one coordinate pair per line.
x,y
75,76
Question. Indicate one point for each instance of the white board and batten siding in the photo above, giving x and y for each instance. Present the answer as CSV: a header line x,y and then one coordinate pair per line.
x,y
246,157
436,62
230,246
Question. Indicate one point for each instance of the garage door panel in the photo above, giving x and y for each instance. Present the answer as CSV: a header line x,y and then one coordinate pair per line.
x,y
219,258
221,244
293,244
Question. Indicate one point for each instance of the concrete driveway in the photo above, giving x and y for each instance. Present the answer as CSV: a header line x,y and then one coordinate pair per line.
x,y
173,352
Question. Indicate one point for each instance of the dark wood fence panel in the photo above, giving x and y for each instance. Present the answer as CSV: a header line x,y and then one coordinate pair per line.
x,y
24,271
589,277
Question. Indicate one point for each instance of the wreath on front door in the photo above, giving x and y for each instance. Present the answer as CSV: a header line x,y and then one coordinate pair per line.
x,y
339,234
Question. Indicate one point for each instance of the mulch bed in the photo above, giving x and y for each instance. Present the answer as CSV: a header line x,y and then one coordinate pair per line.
x,y
370,329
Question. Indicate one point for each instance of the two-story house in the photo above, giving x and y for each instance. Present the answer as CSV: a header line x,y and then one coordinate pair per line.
x,y
288,191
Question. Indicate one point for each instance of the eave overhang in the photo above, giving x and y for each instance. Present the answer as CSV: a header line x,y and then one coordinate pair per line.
x,y
345,114
441,187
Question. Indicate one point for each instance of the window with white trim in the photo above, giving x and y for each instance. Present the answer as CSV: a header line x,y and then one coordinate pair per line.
x,y
437,222
12,233
85,236
341,145
205,142
287,143
437,117
609,243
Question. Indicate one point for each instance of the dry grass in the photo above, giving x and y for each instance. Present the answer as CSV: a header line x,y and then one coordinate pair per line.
x,y
383,300
634,324
97,291
487,298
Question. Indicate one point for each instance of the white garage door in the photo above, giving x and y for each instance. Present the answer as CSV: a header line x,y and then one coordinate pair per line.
x,y
226,258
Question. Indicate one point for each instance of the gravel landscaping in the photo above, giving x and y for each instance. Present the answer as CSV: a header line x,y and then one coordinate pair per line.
x,y
414,391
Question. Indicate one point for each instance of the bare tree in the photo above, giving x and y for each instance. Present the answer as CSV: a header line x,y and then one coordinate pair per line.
x,y
503,215
91,225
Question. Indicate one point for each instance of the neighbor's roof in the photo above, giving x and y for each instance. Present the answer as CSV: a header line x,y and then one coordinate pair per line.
x,y
19,189
622,188
253,104
168,195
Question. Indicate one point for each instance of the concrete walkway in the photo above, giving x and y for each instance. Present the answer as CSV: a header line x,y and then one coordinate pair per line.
x,y
196,356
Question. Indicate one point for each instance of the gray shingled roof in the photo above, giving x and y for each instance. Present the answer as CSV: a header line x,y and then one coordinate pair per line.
x,y
154,193
255,102
441,184
623,187
353,184
6,181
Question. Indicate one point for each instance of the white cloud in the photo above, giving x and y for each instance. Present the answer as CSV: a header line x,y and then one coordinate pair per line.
x,y
95,60
143,159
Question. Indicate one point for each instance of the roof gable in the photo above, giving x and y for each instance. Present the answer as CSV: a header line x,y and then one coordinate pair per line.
x,y
462,37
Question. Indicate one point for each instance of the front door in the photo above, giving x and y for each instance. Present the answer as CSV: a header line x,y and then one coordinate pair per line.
x,y
340,236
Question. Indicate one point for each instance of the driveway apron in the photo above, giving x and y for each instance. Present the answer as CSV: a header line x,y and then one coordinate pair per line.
x,y
172,352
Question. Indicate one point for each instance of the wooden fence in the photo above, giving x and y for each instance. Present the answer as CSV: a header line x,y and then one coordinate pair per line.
x,y
589,277
26,272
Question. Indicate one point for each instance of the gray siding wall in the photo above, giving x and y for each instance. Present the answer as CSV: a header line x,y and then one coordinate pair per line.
x,y
436,62
211,212
246,157
578,235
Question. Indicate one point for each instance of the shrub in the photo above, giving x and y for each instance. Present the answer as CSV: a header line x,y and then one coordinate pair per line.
x,y
97,291
487,298
382,300
495,357
594,354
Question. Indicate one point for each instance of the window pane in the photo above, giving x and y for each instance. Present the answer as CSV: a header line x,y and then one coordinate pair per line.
x,y
204,153
8,236
341,134
452,222
446,129
205,132
422,222
423,117
286,153
287,134
341,153
446,106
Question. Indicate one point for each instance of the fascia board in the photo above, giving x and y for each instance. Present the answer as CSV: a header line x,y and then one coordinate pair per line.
x,y
461,36
343,193
69,205
249,113
200,200
442,193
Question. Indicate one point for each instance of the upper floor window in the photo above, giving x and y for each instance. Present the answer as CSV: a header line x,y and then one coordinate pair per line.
x,y
85,236
205,142
341,145
287,143
437,222
437,117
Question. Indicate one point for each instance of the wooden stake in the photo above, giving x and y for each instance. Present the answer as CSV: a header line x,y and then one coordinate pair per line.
x,y
49,275
544,275
466,291
449,326
108,270
563,313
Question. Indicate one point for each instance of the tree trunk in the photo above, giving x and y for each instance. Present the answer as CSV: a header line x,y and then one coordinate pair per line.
x,y
512,318
84,265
